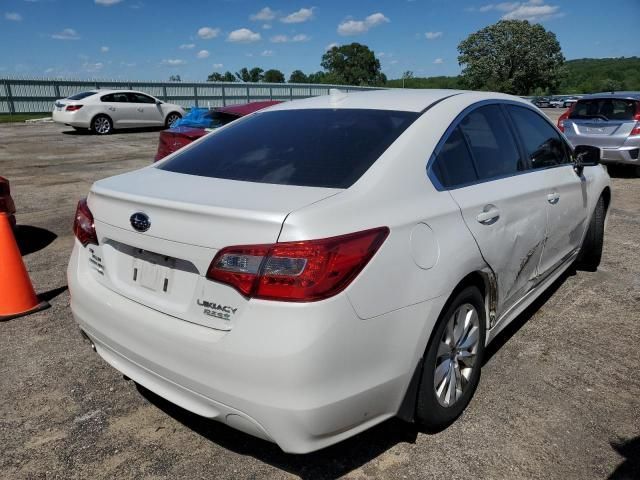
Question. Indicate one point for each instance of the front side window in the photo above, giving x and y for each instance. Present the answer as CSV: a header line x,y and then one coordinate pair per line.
x,y
139,98
543,144
491,142
115,97
329,148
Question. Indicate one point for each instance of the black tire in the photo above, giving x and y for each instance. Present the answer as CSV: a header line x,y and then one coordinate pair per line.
x,y
591,250
172,117
431,415
101,125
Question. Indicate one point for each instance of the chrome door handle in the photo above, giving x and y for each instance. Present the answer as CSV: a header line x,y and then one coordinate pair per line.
x,y
489,215
112,109
553,198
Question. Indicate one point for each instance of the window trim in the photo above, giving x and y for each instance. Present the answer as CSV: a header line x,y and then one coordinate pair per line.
x,y
514,133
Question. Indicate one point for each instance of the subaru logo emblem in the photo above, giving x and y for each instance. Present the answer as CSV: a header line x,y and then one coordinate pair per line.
x,y
140,222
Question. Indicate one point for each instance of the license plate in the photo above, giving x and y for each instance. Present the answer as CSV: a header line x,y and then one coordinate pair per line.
x,y
152,271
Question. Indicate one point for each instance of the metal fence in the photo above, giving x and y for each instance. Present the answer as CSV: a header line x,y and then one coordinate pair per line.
x,y
38,95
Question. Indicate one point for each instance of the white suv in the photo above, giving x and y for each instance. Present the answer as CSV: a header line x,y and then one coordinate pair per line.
x,y
319,266
102,111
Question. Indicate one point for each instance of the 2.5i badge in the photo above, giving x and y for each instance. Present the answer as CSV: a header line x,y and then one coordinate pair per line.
x,y
224,312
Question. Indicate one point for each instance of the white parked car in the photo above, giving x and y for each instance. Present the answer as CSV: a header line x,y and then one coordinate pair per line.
x,y
102,111
322,265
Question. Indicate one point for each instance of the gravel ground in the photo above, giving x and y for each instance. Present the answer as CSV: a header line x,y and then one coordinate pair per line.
x,y
559,396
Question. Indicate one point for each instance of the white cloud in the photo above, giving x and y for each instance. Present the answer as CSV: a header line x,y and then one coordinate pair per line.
x,y
531,10
13,16
356,27
218,65
107,3
438,61
301,37
207,33
202,54
330,46
49,70
243,35
92,67
173,62
66,34
267,53
300,16
264,15
279,39
127,64
187,46
393,62
104,49
432,35
266,26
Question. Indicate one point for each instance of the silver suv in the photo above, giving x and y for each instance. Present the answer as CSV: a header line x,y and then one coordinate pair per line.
x,y
610,121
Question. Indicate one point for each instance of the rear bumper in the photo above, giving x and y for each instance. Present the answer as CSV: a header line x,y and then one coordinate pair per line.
x,y
625,155
304,376
74,119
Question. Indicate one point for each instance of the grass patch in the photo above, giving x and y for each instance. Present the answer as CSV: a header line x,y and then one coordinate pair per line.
x,y
21,117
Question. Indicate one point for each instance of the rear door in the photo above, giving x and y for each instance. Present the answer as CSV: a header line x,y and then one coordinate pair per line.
x,y
117,106
147,113
604,122
566,192
501,203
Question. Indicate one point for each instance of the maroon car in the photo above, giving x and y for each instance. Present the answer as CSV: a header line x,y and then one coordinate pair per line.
x,y
6,202
177,137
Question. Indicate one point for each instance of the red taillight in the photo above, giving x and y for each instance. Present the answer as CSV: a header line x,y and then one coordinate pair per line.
x,y
636,130
303,271
564,116
636,117
83,226
73,108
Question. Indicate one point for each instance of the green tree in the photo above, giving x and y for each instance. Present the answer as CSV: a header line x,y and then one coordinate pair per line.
x,y
511,56
408,75
298,76
221,77
273,76
256,74
175,78
353,64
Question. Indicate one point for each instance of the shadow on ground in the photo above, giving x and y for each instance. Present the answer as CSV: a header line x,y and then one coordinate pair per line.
x,y
33,239
118,131
623,171
629,469
53,293
331,462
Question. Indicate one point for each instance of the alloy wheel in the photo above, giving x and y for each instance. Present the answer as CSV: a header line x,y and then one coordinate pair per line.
x,y
456,357
102,125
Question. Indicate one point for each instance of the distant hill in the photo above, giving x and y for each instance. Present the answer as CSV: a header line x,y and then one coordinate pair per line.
x,y
583,75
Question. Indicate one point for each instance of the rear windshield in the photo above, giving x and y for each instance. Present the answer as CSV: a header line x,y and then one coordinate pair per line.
x,y
605,109
81,95
311,148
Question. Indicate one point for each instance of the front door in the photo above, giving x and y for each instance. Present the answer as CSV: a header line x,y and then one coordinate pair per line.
x,y
147,112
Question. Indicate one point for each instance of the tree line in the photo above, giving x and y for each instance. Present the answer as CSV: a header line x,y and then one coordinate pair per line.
x,y
510,56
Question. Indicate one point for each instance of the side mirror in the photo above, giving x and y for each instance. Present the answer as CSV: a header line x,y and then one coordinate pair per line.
x,y
587,155
158,102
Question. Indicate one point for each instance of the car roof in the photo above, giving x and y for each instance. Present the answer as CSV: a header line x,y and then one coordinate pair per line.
x,y
246,108
399,99
622,95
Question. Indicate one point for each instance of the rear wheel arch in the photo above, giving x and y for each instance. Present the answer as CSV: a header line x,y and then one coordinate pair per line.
x,y
484,281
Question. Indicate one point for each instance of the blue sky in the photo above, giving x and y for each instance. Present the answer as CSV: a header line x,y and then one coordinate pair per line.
x,y
153,39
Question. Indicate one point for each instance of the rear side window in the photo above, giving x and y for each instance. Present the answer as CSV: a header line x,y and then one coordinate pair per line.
x,y
492,145
81,95
453,166
542,142
605,109
115,97
139,98
311,147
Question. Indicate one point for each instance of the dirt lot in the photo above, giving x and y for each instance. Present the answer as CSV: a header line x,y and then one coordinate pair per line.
x,y
559,396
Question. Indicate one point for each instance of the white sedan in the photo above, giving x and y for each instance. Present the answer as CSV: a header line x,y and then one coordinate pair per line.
x,y
322,265
102,111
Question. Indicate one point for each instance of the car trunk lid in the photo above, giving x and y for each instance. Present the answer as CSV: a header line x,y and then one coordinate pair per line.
x,y
190,218
605,122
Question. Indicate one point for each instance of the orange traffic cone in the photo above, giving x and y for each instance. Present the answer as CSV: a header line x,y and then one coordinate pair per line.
x,y
17,297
